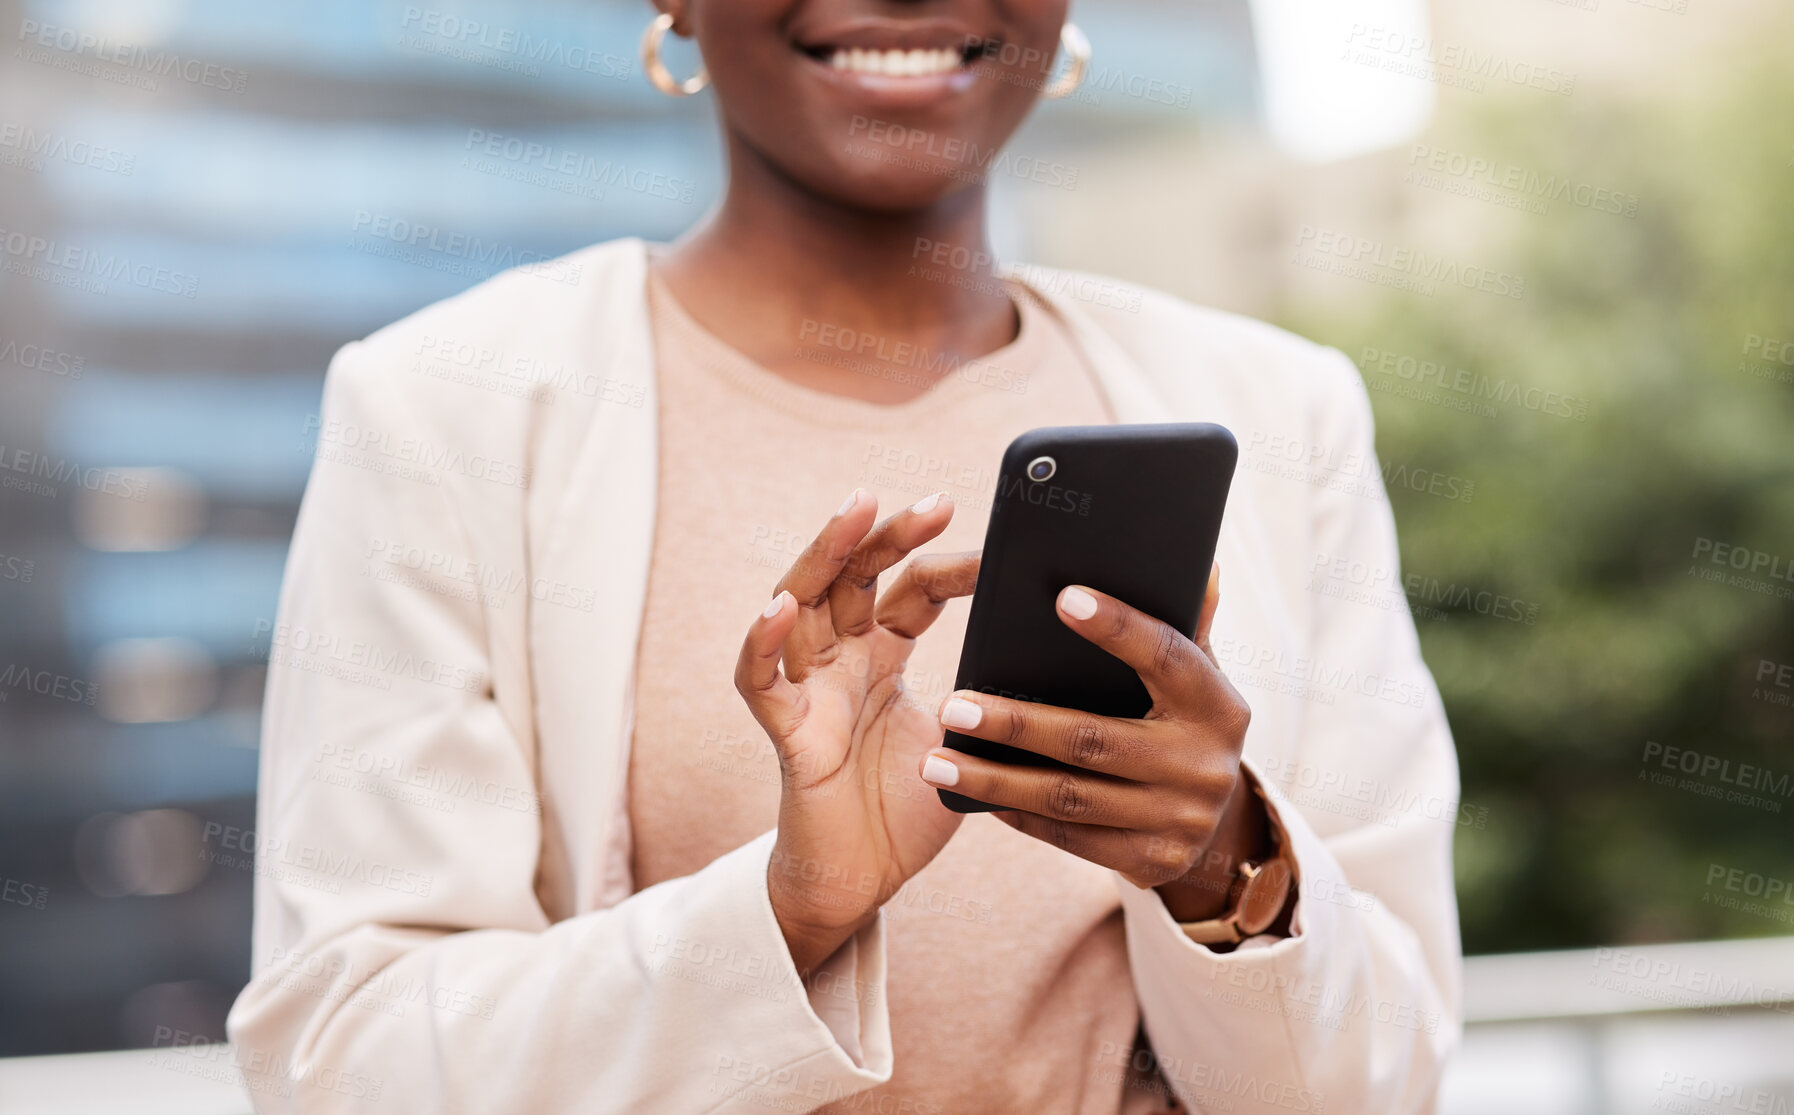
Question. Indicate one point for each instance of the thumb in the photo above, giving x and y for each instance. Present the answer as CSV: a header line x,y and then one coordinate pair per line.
x,y
1211,600
776,703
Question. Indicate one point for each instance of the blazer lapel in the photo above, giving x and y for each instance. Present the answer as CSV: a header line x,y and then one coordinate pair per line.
x,y
1130,392
620,459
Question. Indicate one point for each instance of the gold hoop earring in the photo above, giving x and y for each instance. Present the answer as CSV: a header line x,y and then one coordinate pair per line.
x,y
1077,50
657,72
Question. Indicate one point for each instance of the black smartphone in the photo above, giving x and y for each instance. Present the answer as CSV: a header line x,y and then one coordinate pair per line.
x,y
1134,511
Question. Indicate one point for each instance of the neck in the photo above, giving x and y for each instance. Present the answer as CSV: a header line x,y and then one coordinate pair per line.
x,y
776,260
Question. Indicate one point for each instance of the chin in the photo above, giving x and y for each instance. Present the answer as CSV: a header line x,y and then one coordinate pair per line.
x,y
883,188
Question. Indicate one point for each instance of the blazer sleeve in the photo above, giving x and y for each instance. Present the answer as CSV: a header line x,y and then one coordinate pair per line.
x,y
1358,1009
401,953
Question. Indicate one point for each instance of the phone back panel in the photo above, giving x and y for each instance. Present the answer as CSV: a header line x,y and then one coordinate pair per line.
x,y
1133,511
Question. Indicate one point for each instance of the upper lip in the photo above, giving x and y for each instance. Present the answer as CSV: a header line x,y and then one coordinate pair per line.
x,y
874,33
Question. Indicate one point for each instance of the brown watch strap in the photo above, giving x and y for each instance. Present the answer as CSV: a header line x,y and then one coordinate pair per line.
x,y
1259,893
1263,890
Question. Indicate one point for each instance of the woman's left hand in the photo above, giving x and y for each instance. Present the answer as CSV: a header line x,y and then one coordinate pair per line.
x,y
1152,795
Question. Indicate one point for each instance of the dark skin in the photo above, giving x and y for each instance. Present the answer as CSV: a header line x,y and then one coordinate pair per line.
x,y
821,223
812,227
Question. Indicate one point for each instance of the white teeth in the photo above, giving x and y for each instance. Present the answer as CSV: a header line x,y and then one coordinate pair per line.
x,y
896,63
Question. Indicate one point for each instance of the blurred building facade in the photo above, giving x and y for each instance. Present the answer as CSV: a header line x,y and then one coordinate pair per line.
x,y
221,194
201,200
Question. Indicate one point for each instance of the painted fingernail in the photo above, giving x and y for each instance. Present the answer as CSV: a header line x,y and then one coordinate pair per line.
x,y
851,500
925,505
939,772
961,714
777,605
1077,603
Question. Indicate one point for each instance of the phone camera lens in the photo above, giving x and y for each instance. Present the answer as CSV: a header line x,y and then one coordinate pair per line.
x,y
1042,468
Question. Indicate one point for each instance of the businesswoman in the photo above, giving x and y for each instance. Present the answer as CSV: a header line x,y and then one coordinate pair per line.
x,y
605,704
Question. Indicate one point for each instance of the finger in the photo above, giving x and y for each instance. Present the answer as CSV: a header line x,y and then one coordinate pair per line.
x,y
1211,600
915,599
1105,744
853,596
808,580
1131,853
776,703
1175,672
1075,796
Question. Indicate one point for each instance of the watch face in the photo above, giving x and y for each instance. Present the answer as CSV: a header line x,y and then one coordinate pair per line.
x,y
1264,897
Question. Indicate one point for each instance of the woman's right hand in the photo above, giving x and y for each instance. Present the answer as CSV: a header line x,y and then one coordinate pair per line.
x,y
855,821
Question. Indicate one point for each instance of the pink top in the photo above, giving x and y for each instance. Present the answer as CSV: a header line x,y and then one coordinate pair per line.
x,y
1007,964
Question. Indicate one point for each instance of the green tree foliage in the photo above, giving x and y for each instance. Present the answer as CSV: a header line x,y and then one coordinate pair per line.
x,y
1663,325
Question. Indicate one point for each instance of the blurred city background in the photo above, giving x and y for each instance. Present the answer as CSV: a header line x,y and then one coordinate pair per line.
x,y
1554,235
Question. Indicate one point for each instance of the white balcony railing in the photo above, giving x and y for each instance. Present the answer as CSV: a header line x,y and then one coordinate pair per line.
x,y
1698,1029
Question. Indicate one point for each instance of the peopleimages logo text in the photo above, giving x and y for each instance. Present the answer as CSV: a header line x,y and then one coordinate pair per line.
x,y
530,51
152,63
1760,562
423,238
1362,251
30,252
35,147
1718,768
1520,180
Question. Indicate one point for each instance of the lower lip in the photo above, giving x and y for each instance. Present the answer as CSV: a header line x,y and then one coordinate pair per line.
x,y
891,91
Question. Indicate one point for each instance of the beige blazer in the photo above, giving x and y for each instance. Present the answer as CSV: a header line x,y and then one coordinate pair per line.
x,y
444,918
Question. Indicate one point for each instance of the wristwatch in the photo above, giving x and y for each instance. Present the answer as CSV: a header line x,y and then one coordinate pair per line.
x,y
1257,897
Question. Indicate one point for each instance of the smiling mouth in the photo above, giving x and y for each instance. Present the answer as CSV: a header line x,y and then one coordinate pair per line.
x,y
923,62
